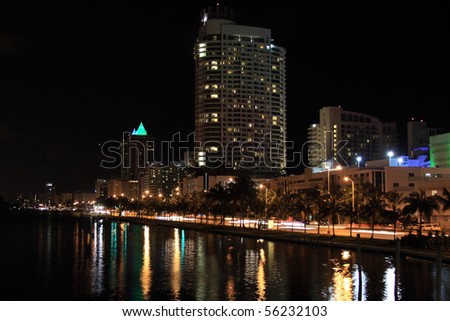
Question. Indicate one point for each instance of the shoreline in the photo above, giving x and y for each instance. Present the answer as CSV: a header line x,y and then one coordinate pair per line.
x,y
323,240
365,244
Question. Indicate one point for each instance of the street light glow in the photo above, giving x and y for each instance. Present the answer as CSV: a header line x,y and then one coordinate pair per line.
x,y
338,167
390,154
353,191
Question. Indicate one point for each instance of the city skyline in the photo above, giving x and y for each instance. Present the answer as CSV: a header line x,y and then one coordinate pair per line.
x,y
88,60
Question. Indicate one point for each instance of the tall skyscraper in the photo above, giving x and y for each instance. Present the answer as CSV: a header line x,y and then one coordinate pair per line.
x,y
349,138
240,96
137,152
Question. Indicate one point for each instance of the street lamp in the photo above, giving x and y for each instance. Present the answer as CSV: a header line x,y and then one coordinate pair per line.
x,y
353,191
390,154
175,189
358,160
400,161
261,186
339,167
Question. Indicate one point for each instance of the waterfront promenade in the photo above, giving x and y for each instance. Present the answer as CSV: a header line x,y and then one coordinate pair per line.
x,y
383,240
361,239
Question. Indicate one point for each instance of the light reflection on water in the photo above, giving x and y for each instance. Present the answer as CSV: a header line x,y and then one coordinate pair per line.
x,y
146,270
104,260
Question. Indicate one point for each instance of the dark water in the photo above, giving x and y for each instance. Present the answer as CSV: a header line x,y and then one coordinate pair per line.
x,y
83,259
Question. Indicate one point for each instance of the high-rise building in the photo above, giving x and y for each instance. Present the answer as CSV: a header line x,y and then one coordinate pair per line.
x,y
101,188
162,179
240,96
123,188
137,152
419,137
440,150
349,138
50,195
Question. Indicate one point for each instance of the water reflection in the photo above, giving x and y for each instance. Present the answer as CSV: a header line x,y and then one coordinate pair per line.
x,y
146,270
389,281
261,277
97,266
230,289
342,278
90,259
176,268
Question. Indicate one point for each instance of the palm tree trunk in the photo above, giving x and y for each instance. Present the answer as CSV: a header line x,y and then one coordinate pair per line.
x,y
241,214
420,222
351,223
304,224
373,228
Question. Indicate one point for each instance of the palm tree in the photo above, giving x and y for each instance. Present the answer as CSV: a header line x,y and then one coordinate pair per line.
x,y
277,205
181,203
420,202
304,202
444,200
243,193
220,199
332,206
197,204
318,194
373,208
394,200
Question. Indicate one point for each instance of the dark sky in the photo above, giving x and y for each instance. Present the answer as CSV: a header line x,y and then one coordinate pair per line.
x,y
74,74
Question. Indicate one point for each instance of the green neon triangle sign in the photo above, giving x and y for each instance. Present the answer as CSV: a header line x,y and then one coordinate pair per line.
x,y
140,131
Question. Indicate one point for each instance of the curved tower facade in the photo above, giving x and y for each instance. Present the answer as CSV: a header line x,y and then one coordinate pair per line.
x,y
240,96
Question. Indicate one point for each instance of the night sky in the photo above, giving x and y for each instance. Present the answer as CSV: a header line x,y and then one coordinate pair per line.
x,y
74,74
